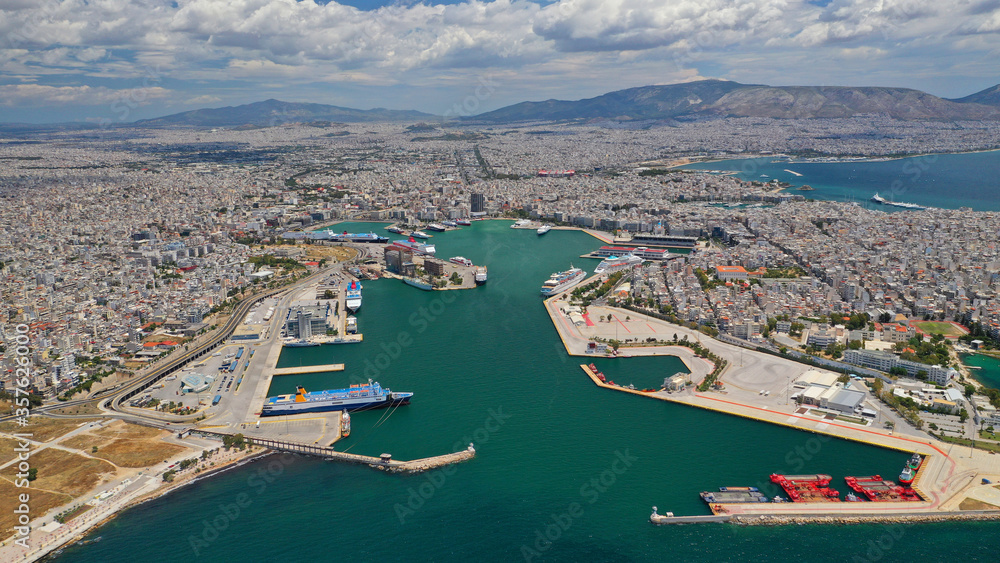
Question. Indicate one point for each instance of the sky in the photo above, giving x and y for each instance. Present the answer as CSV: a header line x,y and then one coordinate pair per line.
x,y
122,60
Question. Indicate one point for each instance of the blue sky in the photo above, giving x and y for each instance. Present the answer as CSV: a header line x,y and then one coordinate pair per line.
x,y
121,60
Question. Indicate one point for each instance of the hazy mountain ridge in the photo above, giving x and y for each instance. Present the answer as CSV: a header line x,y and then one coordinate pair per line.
x,y
717,98
275,112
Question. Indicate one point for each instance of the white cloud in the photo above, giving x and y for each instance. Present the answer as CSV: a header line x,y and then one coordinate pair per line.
x,y
42,95
297,42
202,100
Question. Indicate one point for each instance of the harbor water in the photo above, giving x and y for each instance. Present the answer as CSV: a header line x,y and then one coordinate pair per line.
x,y
564,471
947,181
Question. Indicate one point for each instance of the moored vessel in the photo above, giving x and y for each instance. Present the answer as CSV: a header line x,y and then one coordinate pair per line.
x,y
463,222
437,227
561,281
345,424
417,283
543,229
419,234
480,275
414,246
460,260
355,397
353,296
615,263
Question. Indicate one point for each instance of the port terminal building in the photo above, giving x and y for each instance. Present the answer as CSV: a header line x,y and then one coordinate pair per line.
x,y
307,320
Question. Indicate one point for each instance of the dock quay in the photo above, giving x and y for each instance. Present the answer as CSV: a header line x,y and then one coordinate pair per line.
x,y
299,370
382,463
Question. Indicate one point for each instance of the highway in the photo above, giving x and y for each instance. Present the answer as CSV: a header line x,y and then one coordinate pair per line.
x,y
112,398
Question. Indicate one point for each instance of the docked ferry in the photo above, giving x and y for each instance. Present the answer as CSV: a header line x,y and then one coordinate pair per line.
x,y
353,296
449,223
396,230
353,237
437,227
614,263
463,222
543,229
420,234
414,246
355,397
460,260
561,281
480,275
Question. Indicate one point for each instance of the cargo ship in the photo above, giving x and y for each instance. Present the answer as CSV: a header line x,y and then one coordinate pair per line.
x,y
561,281
355,397
437,227
543,229
353,296
807,488
614,263
480,275
414,246
875,489
417,283
460,260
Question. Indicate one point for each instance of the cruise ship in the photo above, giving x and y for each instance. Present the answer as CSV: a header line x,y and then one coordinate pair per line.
x,y
481,275
414,246
355,397
460,260
614,263
561,281
437,227
543,229
353,296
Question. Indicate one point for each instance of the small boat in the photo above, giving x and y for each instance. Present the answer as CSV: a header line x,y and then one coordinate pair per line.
x,y
345,424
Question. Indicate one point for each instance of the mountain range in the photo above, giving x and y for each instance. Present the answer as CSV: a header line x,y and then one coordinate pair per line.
x,y
689,100
275,112
719,98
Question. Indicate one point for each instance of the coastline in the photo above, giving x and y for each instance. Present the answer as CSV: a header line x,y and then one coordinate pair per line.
x,y
163,489
824,159
948,476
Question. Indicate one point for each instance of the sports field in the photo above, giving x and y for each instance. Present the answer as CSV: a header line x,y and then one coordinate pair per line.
x,y
946,329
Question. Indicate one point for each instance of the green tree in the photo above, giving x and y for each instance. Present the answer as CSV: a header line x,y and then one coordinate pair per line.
x,y
970,390
32,474
963,415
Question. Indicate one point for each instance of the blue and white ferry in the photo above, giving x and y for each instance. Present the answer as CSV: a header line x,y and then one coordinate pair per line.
x,y
355,397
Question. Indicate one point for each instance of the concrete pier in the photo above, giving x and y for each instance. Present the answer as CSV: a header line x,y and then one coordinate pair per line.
x,y
384,463
308,369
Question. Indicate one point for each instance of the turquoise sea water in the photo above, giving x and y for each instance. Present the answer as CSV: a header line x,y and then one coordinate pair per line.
x,y
947,181
989,372
556,455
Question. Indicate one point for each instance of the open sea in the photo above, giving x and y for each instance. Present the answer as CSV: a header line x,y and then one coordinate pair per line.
x,y
565,471
947,181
